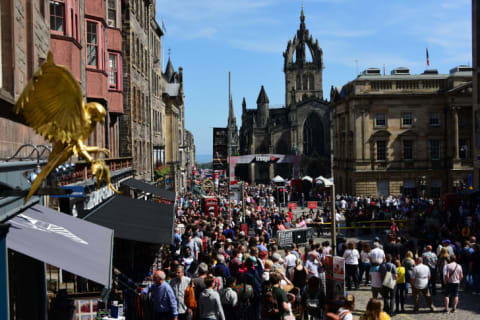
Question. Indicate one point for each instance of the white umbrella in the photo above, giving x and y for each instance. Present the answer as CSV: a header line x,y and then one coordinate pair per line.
x,y
326,182
278,179
308,179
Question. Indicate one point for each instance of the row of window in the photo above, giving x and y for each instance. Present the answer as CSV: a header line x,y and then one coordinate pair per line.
x,y
156,80
140,55
407,84
140,106
141,12
408,149
407,119
95,37
305,82
410,188
157,121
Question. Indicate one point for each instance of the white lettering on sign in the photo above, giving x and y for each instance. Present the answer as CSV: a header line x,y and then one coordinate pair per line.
x,y
262,158
97,197
40,225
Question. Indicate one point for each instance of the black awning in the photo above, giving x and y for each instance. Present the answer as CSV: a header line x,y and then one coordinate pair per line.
x,y
138,220
140,185
77,246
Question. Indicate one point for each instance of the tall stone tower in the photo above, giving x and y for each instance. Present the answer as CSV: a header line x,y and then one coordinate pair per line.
x,y
303,65
232,129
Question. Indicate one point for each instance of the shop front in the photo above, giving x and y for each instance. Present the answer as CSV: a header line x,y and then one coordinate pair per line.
x,y
40,236
141,227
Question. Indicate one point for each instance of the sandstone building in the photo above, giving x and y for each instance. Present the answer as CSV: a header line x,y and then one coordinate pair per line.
x,y
402,133
302,126
172,92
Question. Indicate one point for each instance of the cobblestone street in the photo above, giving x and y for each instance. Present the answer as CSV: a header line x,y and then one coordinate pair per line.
x,y
468,307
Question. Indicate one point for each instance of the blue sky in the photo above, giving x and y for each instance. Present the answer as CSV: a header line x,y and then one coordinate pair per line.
x,y
247,37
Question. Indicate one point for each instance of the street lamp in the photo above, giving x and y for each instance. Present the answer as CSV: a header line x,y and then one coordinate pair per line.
x,y
422,181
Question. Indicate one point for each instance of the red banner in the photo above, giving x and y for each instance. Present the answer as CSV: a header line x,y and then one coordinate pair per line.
x,y
292,205
312,205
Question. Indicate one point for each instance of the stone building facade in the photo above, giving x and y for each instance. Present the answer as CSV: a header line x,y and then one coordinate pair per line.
x,y
24,44
158,105
403,134
302,127
135,124
190,164
173,97
476,90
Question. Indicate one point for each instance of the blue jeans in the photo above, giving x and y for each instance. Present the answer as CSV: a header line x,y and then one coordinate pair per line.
x,y
364,268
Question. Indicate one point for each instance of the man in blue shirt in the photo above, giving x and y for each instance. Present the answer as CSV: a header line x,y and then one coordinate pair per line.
x,y
164,303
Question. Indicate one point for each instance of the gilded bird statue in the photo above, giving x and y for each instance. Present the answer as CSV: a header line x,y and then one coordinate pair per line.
x,y
52,104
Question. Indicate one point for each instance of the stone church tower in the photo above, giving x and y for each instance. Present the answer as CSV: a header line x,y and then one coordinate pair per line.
x,y
301,127
303,67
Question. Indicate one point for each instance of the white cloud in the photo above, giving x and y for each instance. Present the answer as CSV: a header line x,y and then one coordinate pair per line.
x,y
207,32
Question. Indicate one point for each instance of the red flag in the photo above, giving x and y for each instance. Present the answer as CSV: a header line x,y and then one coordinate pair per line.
x,y
428,58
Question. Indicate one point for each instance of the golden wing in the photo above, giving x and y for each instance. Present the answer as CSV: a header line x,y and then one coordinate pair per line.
x,y
52,103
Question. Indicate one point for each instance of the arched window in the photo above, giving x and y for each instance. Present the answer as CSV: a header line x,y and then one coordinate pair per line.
x,y
305,82
313,138
311,82
299,84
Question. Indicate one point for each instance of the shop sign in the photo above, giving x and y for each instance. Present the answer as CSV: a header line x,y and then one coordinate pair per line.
x,y
97,197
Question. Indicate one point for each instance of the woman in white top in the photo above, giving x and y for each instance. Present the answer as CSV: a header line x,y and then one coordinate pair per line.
x,y
351,257
364,263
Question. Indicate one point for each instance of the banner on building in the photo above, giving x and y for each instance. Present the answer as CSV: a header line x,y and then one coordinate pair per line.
x,y
220,148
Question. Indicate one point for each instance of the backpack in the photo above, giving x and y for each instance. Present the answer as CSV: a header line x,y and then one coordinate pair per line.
x,y
313,305
270,309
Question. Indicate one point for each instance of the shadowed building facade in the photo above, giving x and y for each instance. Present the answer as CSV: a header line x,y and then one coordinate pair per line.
x,y
302,126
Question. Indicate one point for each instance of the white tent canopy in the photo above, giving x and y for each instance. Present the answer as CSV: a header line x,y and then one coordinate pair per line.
x,y
325,181
278,179
308,179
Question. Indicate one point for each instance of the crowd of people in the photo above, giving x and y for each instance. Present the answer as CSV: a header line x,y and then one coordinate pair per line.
x,y
228,266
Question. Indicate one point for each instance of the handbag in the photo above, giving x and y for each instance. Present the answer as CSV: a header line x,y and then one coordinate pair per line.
x,y
290,315
389,281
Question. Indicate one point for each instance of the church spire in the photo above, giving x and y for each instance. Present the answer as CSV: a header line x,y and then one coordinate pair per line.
x,y
231,113
302,19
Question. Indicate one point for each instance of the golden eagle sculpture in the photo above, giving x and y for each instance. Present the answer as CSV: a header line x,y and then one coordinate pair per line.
x,y
52,104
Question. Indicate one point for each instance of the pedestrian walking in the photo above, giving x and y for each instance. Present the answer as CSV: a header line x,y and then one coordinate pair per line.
x,y
400,288
430,260
179,284
388,273
164,303
209,304
364,263
419,281
453,274
351,256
